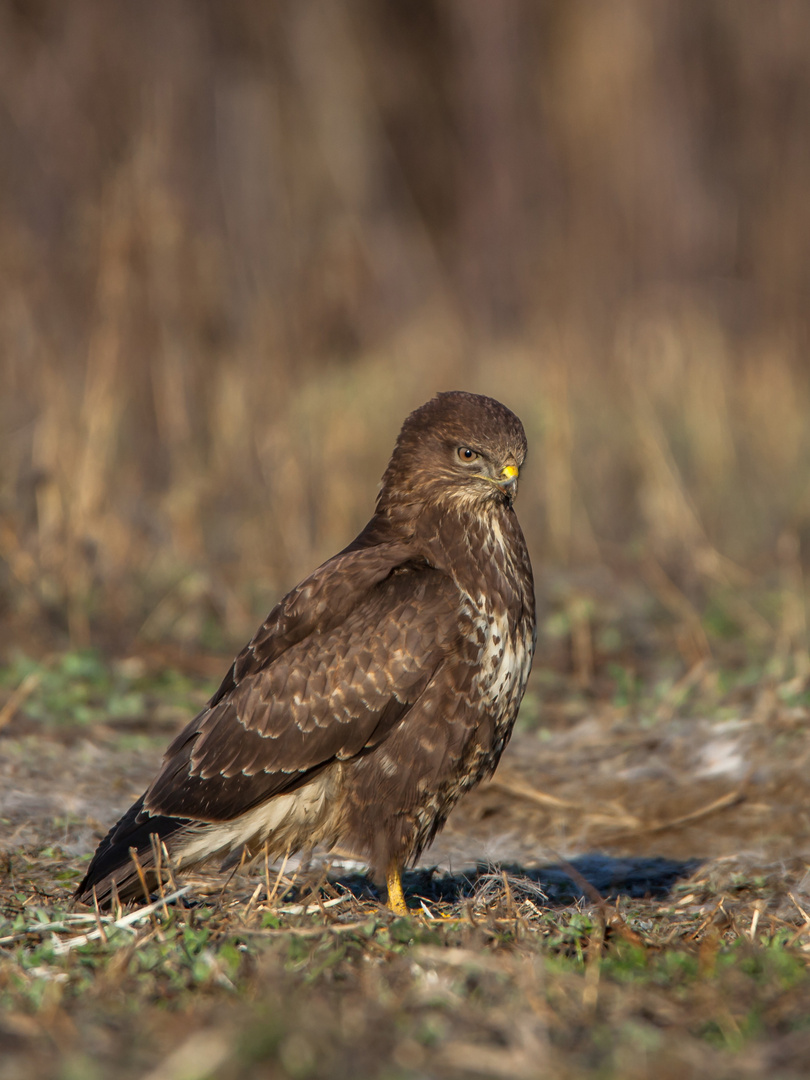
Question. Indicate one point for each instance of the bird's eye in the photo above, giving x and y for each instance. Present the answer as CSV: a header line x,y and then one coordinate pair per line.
x,y
466,454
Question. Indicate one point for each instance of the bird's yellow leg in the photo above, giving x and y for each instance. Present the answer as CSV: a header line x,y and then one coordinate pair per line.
x,y
396,897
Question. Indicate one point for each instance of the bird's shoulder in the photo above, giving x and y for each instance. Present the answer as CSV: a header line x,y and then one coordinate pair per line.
x,y
355,592
332,670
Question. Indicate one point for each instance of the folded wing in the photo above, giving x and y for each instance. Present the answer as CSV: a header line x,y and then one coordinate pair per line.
x,y
333,693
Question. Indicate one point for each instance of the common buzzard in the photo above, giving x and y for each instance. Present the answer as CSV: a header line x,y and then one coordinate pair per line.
x,y
377,692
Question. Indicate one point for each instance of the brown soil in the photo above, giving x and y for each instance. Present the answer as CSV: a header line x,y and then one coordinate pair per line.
x,y
601,787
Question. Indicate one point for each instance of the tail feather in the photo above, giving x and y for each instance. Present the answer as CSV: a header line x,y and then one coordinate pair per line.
x,y
112,866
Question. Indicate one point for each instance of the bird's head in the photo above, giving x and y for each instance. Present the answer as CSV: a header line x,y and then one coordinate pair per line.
x,y
461,448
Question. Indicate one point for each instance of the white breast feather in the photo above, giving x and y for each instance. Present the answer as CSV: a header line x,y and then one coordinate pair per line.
x,y
504,662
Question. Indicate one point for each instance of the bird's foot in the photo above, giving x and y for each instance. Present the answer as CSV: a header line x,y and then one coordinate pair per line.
x,y
396,897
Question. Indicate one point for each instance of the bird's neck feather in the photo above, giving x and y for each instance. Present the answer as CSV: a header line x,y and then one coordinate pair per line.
x,y
465,539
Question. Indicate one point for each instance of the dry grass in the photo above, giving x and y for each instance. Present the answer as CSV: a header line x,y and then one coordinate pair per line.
x,y
669,463
227,274
712,980
670,937
238,243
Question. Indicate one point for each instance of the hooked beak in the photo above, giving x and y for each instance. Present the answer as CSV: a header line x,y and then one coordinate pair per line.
x,y
508,479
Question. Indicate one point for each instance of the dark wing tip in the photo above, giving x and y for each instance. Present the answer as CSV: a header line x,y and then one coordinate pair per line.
x,y
112,866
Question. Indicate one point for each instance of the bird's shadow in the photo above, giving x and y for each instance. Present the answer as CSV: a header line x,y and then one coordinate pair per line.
x,y
554,885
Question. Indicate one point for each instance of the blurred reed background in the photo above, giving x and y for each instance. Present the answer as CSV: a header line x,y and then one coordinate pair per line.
x,y
239,241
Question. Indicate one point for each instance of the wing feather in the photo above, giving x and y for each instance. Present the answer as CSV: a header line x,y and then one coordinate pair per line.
x,y
352,665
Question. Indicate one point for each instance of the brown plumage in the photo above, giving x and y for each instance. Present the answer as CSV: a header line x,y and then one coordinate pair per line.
x,y
379,690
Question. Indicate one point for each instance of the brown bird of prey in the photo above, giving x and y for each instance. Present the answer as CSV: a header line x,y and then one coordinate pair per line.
x,y
377,692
